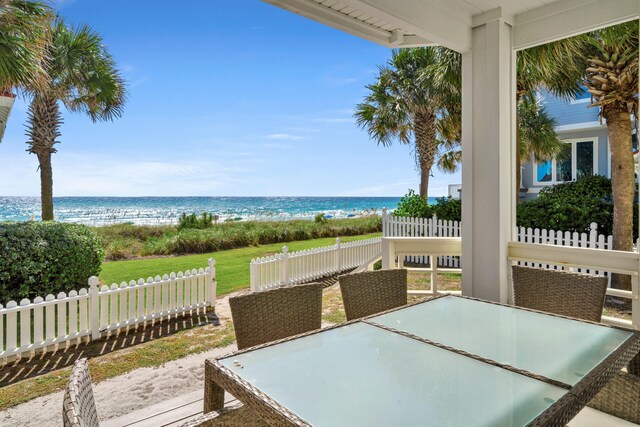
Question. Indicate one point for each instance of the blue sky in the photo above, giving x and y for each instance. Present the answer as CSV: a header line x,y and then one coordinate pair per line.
x,y
226,99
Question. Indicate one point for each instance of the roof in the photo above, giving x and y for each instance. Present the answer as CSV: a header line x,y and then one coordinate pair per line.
x,y
406,23
6,102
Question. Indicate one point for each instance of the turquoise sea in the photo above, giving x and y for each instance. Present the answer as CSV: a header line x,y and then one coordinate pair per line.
x,y
166,210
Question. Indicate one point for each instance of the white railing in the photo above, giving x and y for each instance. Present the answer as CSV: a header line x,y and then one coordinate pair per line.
x,y
310,264
396,250
47,323
398,226
394,226
586,259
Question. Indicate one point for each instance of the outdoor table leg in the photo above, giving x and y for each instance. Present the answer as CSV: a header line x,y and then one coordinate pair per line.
x,y
213,393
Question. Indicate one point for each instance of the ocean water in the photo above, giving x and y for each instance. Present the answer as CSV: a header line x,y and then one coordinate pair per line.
x,y
166,210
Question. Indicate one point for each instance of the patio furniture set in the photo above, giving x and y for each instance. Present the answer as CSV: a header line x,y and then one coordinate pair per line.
x,y
447,360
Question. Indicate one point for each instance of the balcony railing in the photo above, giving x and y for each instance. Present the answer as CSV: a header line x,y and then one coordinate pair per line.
x,y
396,249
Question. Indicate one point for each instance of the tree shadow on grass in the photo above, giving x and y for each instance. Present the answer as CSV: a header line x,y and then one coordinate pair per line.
x,y
65,354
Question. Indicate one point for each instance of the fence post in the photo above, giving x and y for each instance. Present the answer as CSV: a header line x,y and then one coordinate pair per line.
x,y
285,265
593,235
254,273
212,284
385,220
94,315
339,254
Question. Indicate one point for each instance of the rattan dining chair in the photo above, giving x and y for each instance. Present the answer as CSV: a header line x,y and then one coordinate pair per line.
x,y
620,397
78,405
580,296
371,292
265,316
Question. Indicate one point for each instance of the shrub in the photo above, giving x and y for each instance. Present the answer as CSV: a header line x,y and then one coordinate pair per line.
x,y
447,208
572,206
205,220
41,258
321,219
412,205
129,241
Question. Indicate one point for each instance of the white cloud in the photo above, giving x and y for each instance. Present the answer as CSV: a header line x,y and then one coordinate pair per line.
x,y
93,175
284,136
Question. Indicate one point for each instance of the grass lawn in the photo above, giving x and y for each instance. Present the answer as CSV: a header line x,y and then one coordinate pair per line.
x,y
232,266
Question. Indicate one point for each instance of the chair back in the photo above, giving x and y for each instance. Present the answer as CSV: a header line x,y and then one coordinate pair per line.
x,y
371,292
265,316
580,296
78,406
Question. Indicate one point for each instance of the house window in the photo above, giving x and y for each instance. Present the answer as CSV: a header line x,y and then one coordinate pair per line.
x,y
580,159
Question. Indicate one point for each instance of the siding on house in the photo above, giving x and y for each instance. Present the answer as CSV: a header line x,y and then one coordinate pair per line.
x,y
575,121
569,112
529,168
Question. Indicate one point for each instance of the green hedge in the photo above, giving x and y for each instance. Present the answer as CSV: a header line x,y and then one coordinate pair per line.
x,y
573,206
412,205
41,258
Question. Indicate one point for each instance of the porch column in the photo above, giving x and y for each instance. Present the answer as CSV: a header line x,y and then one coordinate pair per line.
x,y
488,157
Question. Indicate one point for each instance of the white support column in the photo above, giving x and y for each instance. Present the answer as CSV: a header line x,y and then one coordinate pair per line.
x,y
488,157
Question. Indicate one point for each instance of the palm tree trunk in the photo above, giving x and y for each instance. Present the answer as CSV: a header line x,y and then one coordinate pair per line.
x,y
46,186
426,147
623,186
43,127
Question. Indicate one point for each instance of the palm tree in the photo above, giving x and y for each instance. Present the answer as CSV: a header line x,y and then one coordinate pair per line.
x,y
537,137
22,37
558,67
405,104
612,81
82,76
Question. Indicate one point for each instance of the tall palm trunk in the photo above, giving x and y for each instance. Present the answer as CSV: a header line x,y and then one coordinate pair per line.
x,y
46,186
623,185
43,127
426,147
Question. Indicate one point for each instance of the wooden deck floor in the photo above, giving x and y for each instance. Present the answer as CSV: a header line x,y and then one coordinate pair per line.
x,y
171,413
180,410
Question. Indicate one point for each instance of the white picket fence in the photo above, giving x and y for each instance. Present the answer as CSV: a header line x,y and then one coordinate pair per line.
x,y
398,226
394,226
311,264
55,320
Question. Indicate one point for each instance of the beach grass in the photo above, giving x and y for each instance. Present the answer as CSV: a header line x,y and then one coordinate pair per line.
x,y
232,266
127,241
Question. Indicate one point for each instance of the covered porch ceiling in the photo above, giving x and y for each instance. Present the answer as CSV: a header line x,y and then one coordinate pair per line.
x,y
409,23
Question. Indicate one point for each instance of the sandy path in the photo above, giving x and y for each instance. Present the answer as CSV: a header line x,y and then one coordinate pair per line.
x,y
120,395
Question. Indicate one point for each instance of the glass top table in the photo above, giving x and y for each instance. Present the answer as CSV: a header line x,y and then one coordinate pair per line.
x,y
449,361
555,347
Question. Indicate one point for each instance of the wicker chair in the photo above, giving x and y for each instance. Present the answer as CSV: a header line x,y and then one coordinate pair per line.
x,y
372,292
620,397
580,296
270,315
78,406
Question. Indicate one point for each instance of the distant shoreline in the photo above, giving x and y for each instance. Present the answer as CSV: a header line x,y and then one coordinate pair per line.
x,y
98,211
